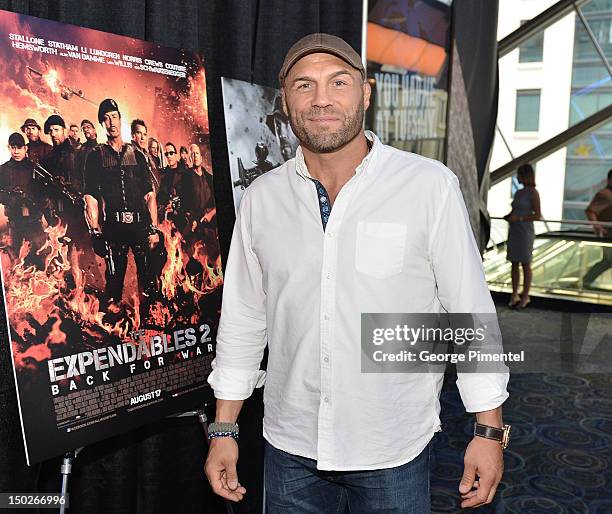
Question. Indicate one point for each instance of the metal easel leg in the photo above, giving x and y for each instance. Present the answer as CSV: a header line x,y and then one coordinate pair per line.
x,y
65,470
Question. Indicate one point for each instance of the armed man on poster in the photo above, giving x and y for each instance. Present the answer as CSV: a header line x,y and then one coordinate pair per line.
x,y
19,193
171,177
196,193
37,149
120,206
279,124
138,128
18,172
91,141
91,136
73,136
61,161
60,171
262,165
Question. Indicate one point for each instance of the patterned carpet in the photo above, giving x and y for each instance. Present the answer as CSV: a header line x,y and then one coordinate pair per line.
x,y
559,459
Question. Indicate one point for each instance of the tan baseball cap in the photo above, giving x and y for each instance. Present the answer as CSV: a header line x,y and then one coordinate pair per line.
x,y
321,43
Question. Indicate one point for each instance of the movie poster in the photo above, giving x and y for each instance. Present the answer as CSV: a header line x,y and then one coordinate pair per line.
x,y
407,53
259,137
110,257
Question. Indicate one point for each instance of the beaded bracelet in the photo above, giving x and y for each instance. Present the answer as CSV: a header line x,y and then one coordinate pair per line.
x,y
222,429
214,435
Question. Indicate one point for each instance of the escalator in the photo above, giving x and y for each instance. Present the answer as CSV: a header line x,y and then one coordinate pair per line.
x,y
570,264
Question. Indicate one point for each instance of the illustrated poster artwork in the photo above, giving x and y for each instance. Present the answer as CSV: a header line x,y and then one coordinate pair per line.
x,y
259,137
110,257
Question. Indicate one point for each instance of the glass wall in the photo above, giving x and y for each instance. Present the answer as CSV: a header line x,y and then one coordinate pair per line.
x,y
551,82
589,158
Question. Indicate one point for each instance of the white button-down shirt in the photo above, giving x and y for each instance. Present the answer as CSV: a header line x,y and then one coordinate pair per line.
x,y
398,240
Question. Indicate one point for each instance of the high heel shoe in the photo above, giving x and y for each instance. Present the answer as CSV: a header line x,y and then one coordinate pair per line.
x,y
523,303
515,299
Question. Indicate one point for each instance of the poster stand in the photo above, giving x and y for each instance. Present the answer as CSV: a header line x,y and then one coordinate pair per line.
x,y
69,457
65,470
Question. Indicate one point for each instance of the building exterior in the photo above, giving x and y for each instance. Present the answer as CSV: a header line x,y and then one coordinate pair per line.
x,y
549,83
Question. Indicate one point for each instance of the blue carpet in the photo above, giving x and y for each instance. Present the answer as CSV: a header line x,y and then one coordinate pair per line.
x,y
558,460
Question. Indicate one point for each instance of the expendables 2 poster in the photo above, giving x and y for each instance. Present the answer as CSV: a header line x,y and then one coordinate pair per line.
x,y
110,258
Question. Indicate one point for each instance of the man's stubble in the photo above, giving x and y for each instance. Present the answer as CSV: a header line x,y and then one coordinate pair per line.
x,y
327,142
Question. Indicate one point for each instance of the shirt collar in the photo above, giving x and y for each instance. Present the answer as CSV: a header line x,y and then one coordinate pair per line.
x,y
302,170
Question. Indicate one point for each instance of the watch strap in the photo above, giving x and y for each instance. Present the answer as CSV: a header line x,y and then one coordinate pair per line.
x,y
501,435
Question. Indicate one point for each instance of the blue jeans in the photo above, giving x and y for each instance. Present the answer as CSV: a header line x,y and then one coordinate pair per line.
x,y
294,485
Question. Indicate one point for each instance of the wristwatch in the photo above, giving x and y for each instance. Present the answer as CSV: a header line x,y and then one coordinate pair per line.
x,y
501,435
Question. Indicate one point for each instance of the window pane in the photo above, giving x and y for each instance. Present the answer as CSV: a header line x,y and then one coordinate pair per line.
x,y
597,6
532,49
587,163
527,111
590,74
600,26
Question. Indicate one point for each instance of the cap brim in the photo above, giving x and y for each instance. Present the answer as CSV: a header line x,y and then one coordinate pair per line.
x,y
320,50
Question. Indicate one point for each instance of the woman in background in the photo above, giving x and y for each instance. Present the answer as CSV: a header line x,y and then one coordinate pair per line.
x,y
525,210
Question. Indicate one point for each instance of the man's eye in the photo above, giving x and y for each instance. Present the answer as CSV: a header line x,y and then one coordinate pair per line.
x,y
339,83
304,85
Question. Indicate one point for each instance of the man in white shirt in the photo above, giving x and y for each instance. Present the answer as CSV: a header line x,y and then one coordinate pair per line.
x,y
349,226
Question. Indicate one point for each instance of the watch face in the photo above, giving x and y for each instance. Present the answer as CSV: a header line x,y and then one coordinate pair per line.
x,y
506,437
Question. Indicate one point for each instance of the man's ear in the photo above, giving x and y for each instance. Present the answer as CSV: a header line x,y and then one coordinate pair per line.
x,y
284,100
367,92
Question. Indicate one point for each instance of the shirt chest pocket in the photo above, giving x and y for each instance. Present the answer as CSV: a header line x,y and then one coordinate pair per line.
x,y
379,249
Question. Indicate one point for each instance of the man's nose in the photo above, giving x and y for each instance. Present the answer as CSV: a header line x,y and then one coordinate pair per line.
x,y
321,97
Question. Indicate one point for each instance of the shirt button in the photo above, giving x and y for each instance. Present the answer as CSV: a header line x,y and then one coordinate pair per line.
x,y
330,234
328,276
326,316
326,399
326,359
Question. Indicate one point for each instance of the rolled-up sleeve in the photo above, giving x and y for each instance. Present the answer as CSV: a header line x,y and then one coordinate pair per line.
x,y
462,287
241,338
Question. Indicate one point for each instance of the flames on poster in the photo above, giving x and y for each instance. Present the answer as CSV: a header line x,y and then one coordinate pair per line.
x,y
110,258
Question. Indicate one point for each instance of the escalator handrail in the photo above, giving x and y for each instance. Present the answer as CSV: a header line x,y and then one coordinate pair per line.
x,y
568,222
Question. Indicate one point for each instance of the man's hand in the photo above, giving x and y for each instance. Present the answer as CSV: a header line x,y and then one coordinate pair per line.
x,y
220,468
512,218
207,218
599,230
483,469
153,240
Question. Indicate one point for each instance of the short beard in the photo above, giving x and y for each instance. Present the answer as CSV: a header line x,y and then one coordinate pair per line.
x,y
327,142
